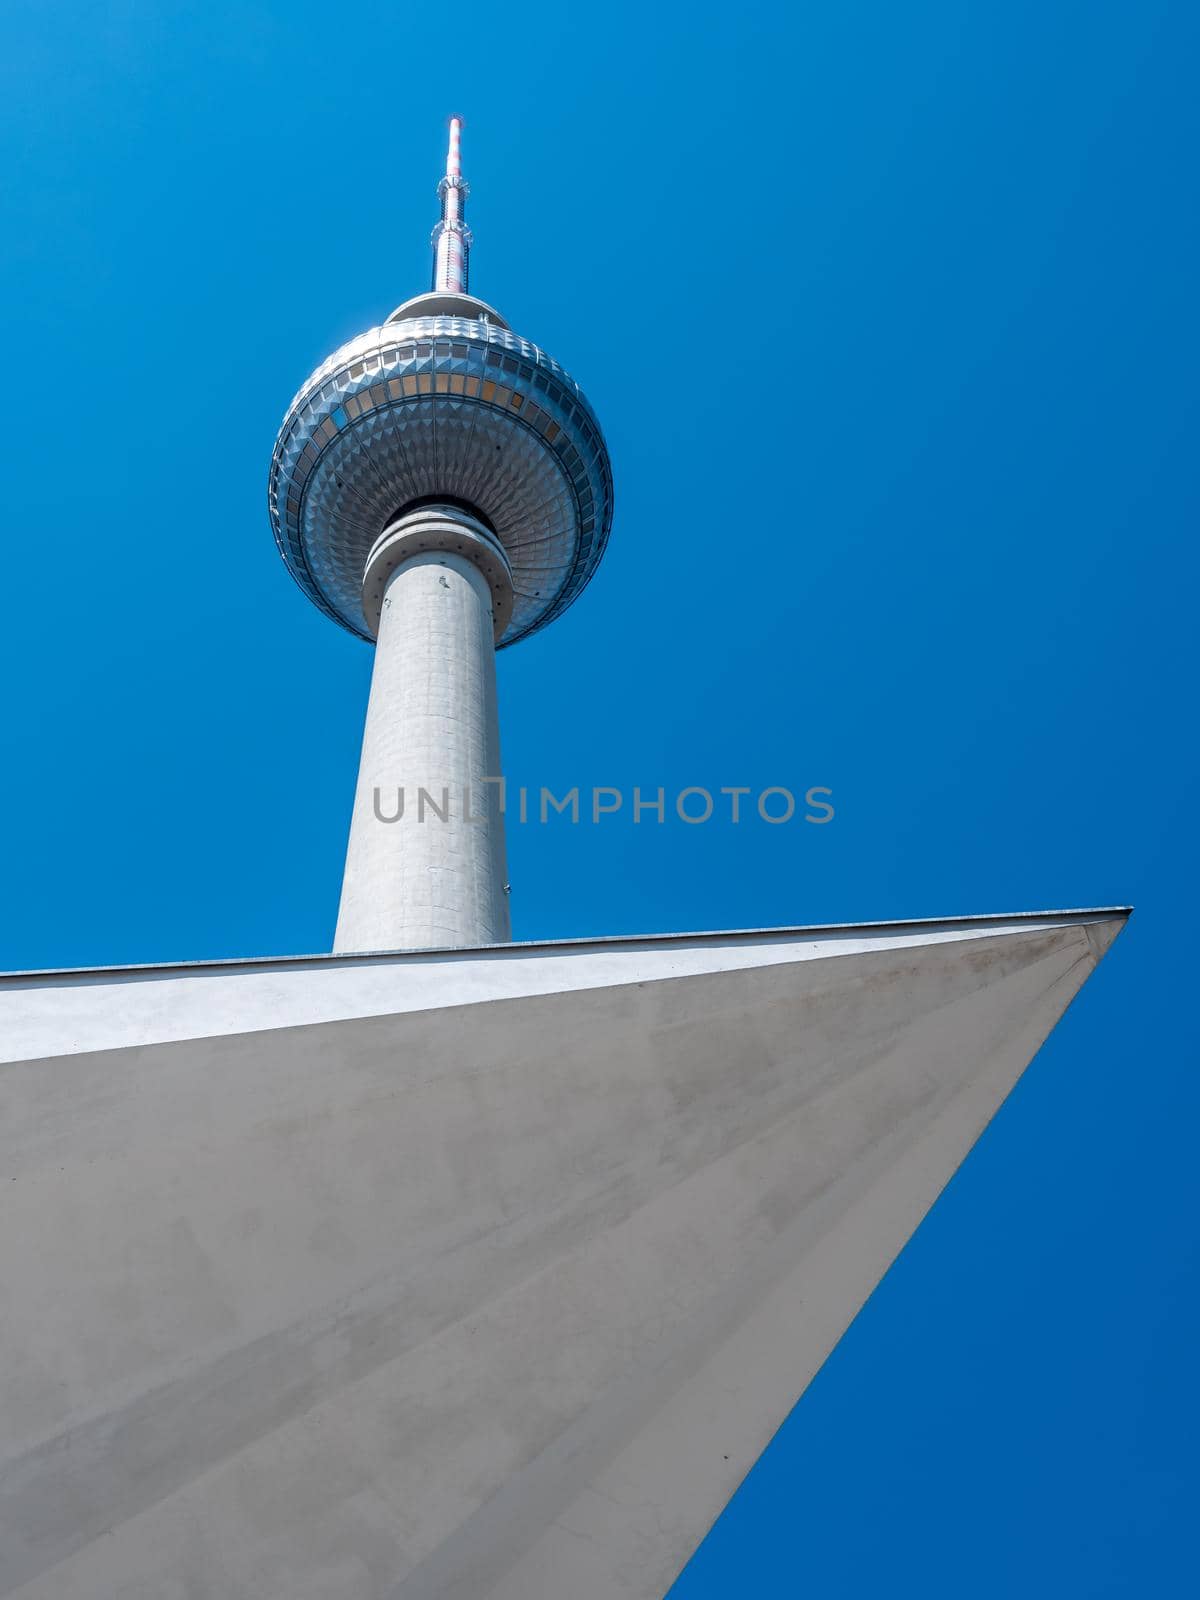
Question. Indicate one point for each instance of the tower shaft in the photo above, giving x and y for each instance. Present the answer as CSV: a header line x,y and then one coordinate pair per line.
x,y
425,864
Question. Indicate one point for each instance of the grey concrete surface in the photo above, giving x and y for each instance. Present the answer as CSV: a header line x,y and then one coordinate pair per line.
x,y
429,872
496,1296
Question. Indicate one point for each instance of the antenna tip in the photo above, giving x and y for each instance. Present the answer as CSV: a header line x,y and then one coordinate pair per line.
x,y
454,149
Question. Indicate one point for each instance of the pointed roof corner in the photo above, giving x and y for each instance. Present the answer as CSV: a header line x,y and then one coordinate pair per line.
x,y
1104,930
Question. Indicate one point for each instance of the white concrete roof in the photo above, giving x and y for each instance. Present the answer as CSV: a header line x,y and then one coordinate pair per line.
x,y
60,1011
463,1274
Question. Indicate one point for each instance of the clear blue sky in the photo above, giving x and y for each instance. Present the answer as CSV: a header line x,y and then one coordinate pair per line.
x,y
889,312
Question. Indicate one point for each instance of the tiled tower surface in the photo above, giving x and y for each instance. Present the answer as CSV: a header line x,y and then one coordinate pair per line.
x,y
440,405
451,406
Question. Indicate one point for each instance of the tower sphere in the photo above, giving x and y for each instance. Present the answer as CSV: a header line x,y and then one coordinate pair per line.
x,y
443,403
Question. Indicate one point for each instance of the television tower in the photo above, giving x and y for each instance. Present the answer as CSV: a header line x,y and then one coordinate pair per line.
x,y
442,488
376,1315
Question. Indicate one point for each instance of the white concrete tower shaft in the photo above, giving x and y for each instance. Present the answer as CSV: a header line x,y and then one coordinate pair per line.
x,y
425,864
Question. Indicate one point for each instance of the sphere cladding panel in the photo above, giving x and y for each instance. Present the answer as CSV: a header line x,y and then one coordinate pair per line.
x,y
441,405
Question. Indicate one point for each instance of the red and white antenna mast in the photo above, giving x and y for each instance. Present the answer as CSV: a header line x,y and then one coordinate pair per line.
x,y
452,237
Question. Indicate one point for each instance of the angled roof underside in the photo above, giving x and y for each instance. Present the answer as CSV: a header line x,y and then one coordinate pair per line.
x,y
482,1274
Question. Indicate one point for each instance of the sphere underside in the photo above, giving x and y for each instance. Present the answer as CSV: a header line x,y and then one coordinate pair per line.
x,y
441,406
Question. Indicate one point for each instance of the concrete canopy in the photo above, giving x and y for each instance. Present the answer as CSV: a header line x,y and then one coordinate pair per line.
x,y
463,1274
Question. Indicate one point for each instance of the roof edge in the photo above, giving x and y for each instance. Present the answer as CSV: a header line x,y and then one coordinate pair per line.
x,y
820,929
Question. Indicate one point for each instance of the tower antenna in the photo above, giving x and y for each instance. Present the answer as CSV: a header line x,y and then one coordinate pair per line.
x,y
452,238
